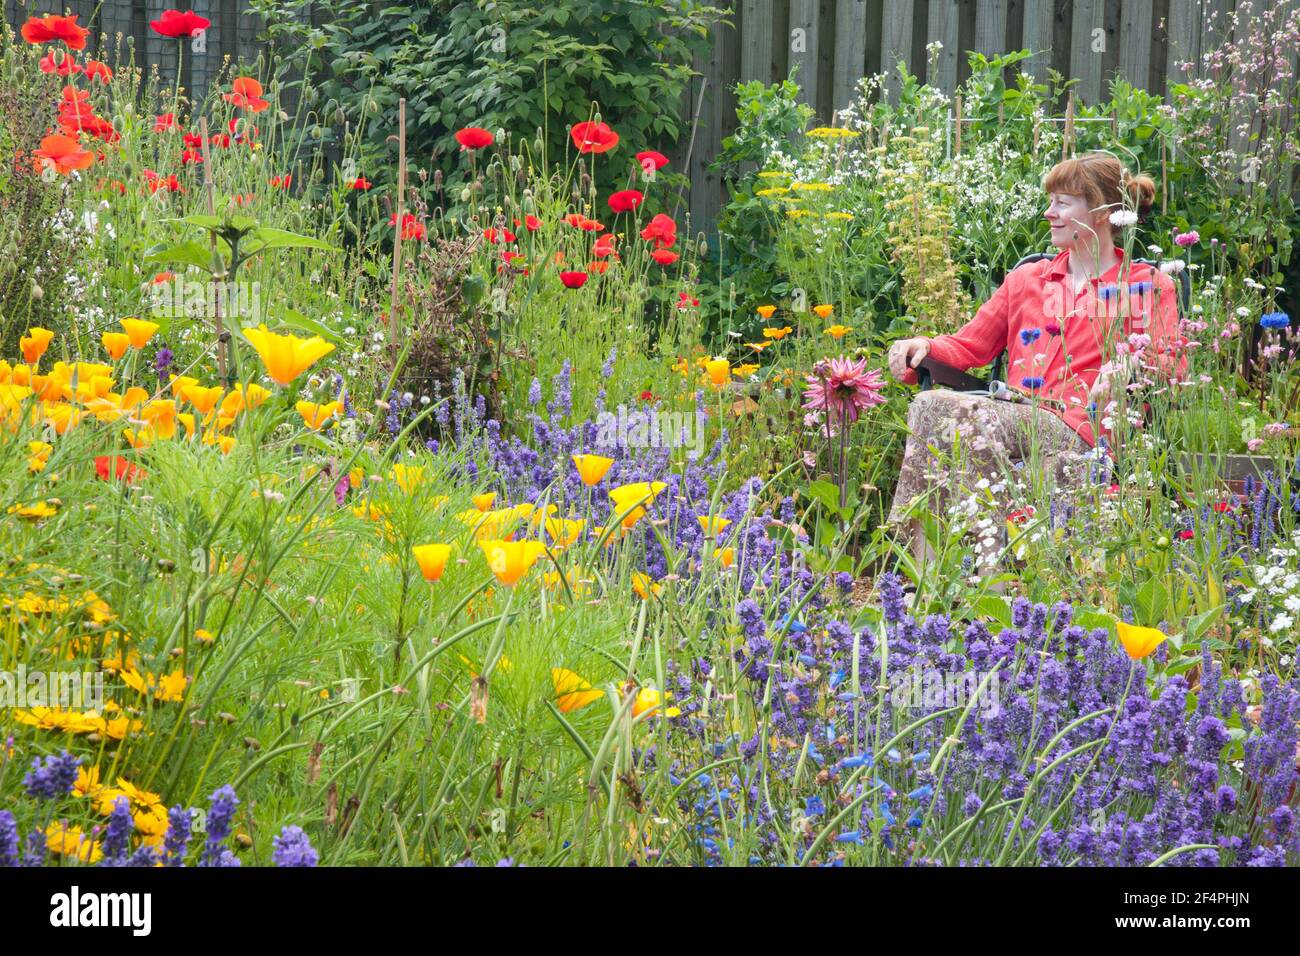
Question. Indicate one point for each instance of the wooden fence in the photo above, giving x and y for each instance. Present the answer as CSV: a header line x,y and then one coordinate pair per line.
x,y
831,44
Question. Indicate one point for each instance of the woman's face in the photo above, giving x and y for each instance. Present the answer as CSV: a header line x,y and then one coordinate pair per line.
x,y
1073,222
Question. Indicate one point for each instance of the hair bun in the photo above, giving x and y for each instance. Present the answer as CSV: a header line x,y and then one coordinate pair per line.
x,y
1141,193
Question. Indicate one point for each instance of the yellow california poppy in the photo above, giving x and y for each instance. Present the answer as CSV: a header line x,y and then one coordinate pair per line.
x,y
592,468
511,560
713,525
484,501
285,357
432,559
203,399
766,311
1139,642
115,344
571,691
719,370
138,331
824,311
315,414
639,494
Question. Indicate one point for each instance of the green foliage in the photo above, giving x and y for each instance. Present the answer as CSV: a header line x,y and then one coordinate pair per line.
x,y
523,67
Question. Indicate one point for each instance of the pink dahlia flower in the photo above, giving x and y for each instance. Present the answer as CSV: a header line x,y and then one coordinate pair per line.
x,y
844,389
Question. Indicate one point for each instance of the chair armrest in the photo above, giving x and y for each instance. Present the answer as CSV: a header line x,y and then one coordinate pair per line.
x,y
931,373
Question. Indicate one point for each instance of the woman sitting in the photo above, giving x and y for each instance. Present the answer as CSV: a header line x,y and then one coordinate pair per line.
x,y
1072,327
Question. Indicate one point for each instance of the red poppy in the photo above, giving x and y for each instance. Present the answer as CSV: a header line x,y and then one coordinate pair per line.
x,y
661,230
53,27
63,154
360,183
118,468
282,182
604,246
650,160
473,137
98,71
593,137
583,223
163,277
156,182
242,129
625,200
56,61
573,280
412,228
647,396
246,95
191,156
164,123
176,24
685,302
1187,534
664,257
597,268
531,223
242,199
114,185
496,236
1221,506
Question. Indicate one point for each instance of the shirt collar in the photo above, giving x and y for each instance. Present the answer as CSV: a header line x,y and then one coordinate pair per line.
x,y
1061,266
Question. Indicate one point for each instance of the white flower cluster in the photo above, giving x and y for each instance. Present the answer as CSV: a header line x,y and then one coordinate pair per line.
x,y
1277,590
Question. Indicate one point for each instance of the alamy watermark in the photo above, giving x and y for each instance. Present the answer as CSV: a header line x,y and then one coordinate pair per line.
x,y
931,689
650,428
177,298
69,690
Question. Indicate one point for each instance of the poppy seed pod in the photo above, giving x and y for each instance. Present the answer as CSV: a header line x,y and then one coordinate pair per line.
x,y
340,117
252,743
166,566
465,194
437,179
37,293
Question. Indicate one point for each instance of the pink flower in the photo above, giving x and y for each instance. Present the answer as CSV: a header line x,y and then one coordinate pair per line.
x,y
844,389
1254,443
1185,239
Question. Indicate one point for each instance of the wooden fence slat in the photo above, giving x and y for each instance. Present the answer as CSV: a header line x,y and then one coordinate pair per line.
x,y
802,42
756,41
1184,30
1135,42
944,19
1036,36
705,187
1085,60
990,27
850,49
895,41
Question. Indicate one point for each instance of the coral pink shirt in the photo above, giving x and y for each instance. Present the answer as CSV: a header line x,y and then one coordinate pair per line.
x,y
1057,339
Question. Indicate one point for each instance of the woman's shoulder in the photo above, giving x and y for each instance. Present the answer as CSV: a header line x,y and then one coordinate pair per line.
x,y
1033,272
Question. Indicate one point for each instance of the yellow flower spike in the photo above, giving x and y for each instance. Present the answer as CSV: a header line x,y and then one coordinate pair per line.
x,y
34,344
824,311
285,357
115,344
644,585
203,399
1139,642
316,414
138,331
571,691
432,559
511,560
592,468
766,311
839,331
719,370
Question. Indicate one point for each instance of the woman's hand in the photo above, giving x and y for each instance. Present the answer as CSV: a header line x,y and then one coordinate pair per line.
x,y
907,354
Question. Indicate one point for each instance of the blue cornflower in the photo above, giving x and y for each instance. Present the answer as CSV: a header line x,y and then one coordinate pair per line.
x,y
914,821
858,760
807,660
1029,336
850,836
1032,381
921,757
1275,320
923,792
813,806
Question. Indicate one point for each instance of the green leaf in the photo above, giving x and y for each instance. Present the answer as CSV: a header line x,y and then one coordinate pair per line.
x,y
296,320
282,239
188,253
996,607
